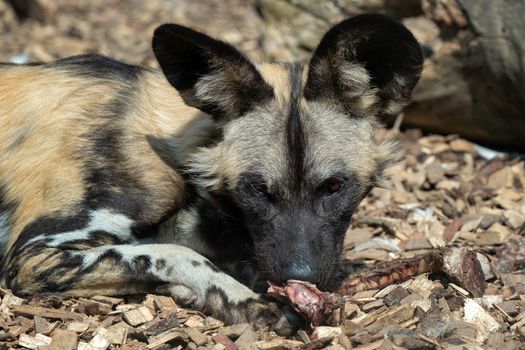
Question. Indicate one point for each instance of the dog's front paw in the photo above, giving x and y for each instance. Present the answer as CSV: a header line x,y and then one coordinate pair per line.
x,y
281,319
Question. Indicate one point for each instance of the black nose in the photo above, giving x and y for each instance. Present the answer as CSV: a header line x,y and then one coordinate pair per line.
x,y
302,272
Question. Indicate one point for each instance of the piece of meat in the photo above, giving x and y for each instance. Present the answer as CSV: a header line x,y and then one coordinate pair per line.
x,y
307,300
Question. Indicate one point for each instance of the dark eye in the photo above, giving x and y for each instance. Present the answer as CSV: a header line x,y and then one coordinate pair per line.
x,y
333,185
259,187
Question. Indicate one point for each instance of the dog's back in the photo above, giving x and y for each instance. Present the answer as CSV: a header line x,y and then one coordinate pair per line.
x,y
74,136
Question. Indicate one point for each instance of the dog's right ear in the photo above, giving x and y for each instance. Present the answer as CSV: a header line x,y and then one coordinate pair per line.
x,y
209,74
369,62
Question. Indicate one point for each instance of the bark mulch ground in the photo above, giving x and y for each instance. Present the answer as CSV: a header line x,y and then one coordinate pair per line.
x,y
445,193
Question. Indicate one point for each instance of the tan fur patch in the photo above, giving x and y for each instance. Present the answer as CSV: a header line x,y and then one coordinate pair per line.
x,y
334,136
279,78
40,142
161,133
44,144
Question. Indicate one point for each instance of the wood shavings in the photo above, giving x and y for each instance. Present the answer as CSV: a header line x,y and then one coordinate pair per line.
x,y
446,192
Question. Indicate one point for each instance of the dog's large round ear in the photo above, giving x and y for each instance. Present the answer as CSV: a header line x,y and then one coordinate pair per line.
x,y
369,62
210,74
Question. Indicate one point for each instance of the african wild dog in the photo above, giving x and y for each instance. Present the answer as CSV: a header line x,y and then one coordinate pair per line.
x,y
118,179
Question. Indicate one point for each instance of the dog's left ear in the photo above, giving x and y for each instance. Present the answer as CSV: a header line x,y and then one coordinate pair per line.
x,y
370,63
209,74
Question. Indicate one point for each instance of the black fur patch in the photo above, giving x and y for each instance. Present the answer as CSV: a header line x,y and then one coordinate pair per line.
x,y
50,225
383,46
186,56
212,266
221,222
160,264
97,66
109,184
296,137
195,263
141,263
4,205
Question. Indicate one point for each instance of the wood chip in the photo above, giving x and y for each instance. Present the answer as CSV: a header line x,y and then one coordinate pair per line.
x,y
35,342
43,326
372,305
162,302
45,312
119,333
93,307
247,338
107,300
64,340
78,327
9,300
234,331
276,344
138,316
196,336
224,341
485,323
101,340
167,336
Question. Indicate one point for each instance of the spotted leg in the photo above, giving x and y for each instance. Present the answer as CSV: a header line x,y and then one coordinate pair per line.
x,y
119,269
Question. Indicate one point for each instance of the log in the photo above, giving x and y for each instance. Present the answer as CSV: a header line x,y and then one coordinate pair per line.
x,y
472,83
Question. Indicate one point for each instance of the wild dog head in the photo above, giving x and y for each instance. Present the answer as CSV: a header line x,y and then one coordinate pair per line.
x,y
297,152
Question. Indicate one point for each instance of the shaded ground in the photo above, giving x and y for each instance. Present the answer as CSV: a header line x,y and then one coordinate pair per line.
x,y
446,191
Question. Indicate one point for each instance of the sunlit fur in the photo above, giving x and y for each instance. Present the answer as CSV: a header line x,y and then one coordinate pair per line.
x,y
119,179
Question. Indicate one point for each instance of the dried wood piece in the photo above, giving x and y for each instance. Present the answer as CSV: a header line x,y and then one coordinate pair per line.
x,y
30,342
510,256
325,332
101,340
277,344
167,336
64,340
485,323
373,305
460,265
8,301
385,223
452,229
138,316
119,333
159,325
93,307
247,339
224,341
107,300
234,331
196,336
46,312
194,321
78,327
210,323
162,302
42,326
